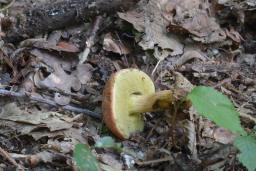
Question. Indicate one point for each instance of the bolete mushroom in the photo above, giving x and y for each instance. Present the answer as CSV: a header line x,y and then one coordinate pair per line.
x,y
127,94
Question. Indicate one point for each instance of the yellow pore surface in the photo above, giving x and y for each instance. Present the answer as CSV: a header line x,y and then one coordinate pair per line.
x,y
129,82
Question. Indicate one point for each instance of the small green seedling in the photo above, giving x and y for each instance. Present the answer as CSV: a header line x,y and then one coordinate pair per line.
x,y
218,108
84,158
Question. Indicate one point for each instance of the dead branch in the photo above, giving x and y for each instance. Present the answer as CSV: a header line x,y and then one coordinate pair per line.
x,y
61,14
91,40
38,98
7,156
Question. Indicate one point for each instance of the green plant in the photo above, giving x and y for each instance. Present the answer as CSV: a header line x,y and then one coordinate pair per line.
x,y
84,158
218,108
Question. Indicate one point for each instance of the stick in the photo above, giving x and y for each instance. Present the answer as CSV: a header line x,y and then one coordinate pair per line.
x,y
60,14
6,155
143,163
49,102
91,40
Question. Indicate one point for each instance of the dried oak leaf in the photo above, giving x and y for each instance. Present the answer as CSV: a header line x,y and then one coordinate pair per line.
x,y
59,79
112,44
83,72
51,59
148,18
51,120
61,99
192,16
74,133
61,46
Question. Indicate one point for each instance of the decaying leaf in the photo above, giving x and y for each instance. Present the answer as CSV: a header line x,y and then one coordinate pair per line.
x,y
112,44
51,60
110,162
40,124
150,21
61,99
83,72
74,133
61,46
223,136
59,79
51,120
186,16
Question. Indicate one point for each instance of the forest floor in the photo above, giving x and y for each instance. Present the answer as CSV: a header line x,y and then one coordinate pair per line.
x,y
51,83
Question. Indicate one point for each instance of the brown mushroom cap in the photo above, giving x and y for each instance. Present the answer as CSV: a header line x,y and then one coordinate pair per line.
x,y
118,101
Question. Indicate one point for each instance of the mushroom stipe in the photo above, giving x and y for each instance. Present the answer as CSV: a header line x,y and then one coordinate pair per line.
x,y
127,94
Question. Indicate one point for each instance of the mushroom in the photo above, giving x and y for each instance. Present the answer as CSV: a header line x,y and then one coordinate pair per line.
x,y
127,94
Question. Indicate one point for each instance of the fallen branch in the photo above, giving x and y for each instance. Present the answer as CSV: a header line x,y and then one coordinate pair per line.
x,y
7,156
156,161
91,40
40,99
60,14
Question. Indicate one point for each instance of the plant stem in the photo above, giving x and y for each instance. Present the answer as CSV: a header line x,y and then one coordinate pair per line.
x,y
148,103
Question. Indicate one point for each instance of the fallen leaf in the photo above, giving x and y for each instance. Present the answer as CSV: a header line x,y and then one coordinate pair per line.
x,y
61,99
66,47
151,22
51,59
83,72
59,79
110,162
51,120
112,44
223,136
61,46
192,16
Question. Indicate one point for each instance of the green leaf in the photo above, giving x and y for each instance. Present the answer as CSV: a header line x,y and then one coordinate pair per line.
x,y
247,147
85,160
216,107
108,142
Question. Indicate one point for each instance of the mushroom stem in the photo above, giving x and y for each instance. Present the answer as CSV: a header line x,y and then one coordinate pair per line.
x,y
148,103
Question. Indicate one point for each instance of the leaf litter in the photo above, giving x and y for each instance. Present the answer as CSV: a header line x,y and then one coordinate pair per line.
x,y
180,43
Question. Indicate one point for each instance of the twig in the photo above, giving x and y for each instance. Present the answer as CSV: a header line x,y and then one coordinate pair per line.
x,y
169,158
38,98
75,95
7,6
121,50
6,155
91,40
245,115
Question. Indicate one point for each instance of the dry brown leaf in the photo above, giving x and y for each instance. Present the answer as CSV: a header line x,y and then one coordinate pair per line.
x,y
61,99
64,146
51,120
112,44
192,16
59,79
61,46
223,136
220,135
111,162
83,72
151,22
182,82
51,59
234,35
66,47
74,133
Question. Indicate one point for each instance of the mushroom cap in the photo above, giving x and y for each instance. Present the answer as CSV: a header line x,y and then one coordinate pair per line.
x,y
117,101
